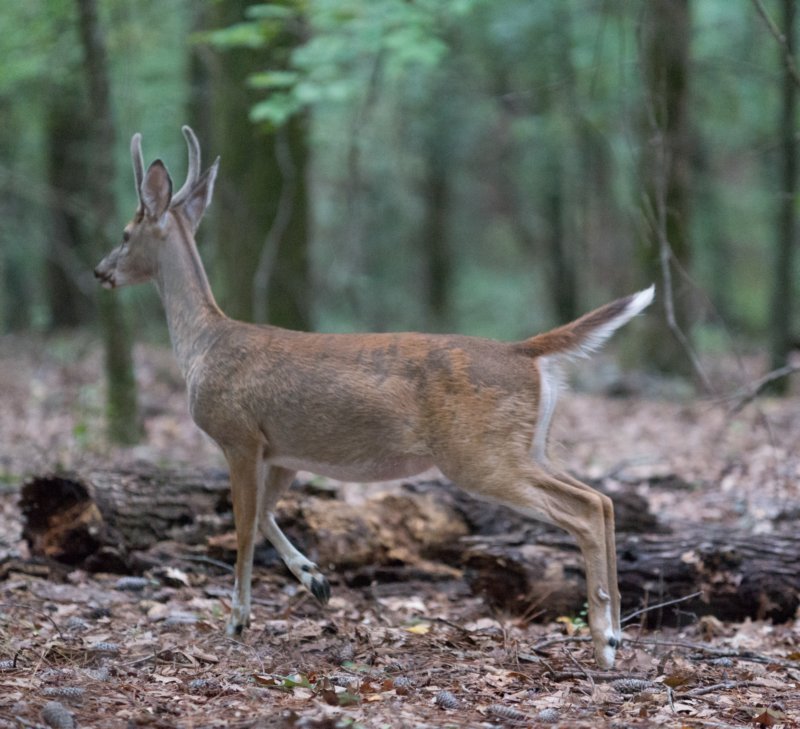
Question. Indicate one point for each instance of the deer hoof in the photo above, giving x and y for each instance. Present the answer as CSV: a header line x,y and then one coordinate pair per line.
x,y
321,589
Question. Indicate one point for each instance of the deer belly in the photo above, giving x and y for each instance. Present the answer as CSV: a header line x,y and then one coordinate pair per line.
x,y
383,469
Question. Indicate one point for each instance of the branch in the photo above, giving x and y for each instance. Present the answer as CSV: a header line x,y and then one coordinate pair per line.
x,y
283,215
677,600
788,56
752,391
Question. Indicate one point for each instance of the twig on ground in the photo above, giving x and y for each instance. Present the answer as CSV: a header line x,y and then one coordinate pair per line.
x,y
562,639
206,560
650,608
586,674
40,613
723,686
742,655
595,676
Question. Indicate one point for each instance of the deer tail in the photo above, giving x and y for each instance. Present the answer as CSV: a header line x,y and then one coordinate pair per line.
x,y
583,336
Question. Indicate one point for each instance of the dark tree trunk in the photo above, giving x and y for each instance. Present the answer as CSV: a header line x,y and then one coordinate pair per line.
x,y
434,236
123,422
783,291
666,33
66,141
259,227
286,279
563,274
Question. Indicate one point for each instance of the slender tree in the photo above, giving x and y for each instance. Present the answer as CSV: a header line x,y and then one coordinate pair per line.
x,y
123,424
783,293
262,195
666,32
66,137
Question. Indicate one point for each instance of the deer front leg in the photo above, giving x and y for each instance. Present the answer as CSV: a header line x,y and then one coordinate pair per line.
x,y
245,466
276,482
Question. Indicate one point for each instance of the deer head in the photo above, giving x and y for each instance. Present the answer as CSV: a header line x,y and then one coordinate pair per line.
x,y
135,260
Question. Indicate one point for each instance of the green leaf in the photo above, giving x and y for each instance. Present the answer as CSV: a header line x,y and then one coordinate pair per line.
x,y
240,35
276,110
273,79
269,11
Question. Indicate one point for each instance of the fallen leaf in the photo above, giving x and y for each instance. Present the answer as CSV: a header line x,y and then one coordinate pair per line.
x,y
419,629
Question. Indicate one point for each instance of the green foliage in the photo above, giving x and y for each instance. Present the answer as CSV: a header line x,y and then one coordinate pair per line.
x,y
531,116
326,48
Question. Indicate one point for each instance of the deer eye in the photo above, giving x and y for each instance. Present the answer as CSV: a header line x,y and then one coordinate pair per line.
x,y
126,236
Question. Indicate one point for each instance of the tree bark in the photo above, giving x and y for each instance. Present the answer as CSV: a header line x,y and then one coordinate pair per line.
x,y
66,172
251,199
123,423
783,291
99,519
666,32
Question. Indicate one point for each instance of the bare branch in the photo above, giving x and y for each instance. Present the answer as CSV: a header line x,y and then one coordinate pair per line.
x,y
788,56
283,215
754,389
649,609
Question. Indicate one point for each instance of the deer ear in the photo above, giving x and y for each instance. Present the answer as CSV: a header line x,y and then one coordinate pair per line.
x,y
200,197
156,190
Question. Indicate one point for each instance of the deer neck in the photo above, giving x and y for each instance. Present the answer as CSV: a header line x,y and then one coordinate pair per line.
x,y
192,313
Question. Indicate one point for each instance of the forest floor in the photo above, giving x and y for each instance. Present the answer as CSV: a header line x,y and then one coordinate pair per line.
x,y
101,652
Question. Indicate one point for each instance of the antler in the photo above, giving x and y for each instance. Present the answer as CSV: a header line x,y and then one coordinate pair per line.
x,y
193,173
138,162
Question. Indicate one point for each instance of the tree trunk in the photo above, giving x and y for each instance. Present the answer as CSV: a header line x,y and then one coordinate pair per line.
x,y
783,291
123,424
434,233
666,33
286,281
250,236
108,520
66,171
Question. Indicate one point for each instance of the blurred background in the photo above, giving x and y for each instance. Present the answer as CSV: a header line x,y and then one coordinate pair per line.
x,y
492,167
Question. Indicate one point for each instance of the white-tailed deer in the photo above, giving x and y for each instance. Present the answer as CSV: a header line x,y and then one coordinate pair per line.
x,y
363,407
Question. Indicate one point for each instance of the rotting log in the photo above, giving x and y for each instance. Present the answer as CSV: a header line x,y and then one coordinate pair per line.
x,y
739,575
98,519
107,520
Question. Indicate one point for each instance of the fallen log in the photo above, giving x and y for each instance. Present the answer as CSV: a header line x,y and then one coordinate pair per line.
x,y
108,520
738,575
104,520
98,519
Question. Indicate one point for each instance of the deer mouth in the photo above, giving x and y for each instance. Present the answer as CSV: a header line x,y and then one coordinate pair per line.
x,y
106,279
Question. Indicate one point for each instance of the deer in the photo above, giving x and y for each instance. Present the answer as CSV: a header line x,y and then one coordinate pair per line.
x,y
363,407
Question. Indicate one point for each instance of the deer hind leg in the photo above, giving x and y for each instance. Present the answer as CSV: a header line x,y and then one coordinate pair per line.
x,y
276,483
245,472
534,492
611,548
